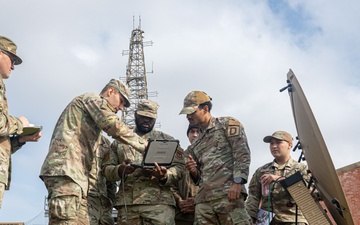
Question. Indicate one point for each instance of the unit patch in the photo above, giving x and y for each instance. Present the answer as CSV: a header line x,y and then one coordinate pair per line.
x,y
233,131
233,128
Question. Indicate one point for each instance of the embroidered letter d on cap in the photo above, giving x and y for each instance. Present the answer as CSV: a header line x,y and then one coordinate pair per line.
x,y
193,100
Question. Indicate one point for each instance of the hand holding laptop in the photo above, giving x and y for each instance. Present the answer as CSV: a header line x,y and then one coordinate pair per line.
x,y
159,172
125,167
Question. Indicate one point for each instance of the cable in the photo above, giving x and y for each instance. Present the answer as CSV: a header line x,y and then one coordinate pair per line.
x,y
271,188
123,189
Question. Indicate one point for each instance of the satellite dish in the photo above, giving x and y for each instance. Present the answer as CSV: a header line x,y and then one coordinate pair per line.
x,y
317,155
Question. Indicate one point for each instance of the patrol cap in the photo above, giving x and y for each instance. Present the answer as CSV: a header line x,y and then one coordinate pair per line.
x,y
280,135
9,47
193,100
192,127
147,108
122,88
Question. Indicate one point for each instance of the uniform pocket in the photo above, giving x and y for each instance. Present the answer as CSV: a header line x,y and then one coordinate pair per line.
x,y
64,207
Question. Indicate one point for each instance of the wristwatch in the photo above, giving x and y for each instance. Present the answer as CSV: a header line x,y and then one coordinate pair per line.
x,y
239,180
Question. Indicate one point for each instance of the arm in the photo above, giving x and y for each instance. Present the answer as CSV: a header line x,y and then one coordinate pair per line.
x,y
110,123
169,176
193,166
114,166
254,199
237,139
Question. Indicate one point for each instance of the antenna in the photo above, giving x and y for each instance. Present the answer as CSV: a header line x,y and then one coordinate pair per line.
x,y
136,74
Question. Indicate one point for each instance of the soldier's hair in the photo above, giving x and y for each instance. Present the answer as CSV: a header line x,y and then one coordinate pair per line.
x,y
209,104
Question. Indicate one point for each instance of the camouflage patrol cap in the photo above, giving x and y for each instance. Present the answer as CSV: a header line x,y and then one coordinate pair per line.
x,y
147,108
9,47
193,100
280,135
122,88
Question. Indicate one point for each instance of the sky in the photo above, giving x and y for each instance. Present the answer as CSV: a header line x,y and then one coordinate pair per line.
x,y
238,52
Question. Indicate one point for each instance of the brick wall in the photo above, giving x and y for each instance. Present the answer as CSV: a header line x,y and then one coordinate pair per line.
x,y
349,177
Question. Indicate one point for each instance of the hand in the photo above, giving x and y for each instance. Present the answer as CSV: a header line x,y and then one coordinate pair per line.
x,y
30,138
124,166
187,206
234,192
160,172
191,166
267,179
24,121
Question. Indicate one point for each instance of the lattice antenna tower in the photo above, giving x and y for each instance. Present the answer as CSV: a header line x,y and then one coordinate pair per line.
x,y
135,73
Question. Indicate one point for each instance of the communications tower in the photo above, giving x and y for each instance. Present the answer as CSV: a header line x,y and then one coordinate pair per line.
x,y
135,74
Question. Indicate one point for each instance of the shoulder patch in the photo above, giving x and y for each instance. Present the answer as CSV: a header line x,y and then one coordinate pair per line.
x,y
179,154
233,130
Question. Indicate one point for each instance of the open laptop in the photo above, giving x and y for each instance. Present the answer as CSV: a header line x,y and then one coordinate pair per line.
x,y
161,151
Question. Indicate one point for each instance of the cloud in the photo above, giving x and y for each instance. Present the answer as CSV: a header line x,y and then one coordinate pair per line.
x,y
237,51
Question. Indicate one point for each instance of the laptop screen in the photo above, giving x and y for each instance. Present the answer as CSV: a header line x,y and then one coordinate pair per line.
x,y
161,151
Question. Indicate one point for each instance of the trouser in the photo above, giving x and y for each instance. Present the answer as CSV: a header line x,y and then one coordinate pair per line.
x,y
146,215
221,211
2,190
100,210
67,205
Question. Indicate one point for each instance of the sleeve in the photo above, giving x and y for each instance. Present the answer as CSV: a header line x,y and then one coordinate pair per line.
x,y
254,198
237,139
112,164
110,123
15,144
8,124
111,190
191,152
176,192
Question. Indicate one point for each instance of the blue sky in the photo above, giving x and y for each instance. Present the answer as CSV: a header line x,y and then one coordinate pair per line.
x,y
239,52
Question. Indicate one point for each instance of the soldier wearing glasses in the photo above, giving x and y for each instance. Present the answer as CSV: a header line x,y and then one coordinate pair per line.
x,y
10,126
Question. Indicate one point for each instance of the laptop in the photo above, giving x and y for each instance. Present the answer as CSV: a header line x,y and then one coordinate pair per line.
x,y
161,151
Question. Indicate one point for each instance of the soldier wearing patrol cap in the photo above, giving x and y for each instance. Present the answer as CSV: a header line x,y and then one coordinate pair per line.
x,y
218,162
73,146
9,125
144,196
265,182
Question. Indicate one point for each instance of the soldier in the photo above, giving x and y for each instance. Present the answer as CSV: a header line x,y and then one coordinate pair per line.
x,y
184,190
144,196
76,137
218,162
282,205
10,126
101,195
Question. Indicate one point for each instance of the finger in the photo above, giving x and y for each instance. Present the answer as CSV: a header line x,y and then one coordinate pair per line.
x,y
190,158
157,167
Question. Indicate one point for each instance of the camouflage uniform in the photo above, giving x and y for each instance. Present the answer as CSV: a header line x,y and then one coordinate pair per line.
x,y
75,139
141,189
223,154
143,198
182,190
9,125
101,194
281,202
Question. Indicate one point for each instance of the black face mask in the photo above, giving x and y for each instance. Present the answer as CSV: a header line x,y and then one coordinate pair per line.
x,y
144,124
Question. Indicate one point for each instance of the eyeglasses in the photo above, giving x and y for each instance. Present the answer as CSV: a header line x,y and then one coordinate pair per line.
x,y
11,59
